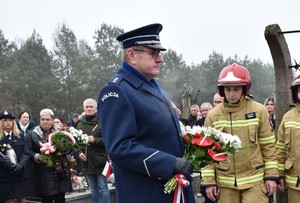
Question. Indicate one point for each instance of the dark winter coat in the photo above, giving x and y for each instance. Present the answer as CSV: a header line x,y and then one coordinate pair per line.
x,y
30,127
142,136
95,152
18,144
48,181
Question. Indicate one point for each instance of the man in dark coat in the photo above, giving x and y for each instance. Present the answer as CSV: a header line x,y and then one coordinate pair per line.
x,y
140,128
93,157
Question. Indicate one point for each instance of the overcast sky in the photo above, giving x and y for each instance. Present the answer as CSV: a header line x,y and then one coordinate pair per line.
x,y
193,28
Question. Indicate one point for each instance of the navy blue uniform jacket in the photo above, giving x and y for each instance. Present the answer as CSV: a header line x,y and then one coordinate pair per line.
x,y
142,137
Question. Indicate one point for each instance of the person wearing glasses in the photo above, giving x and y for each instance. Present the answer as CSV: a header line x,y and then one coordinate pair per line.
x,y
139,125
217,99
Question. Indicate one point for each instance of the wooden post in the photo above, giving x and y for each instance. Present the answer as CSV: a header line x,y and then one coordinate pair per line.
x,y
283,77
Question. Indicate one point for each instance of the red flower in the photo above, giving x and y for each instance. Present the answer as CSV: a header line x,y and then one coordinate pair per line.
x,y
217,145
202,141
198,135
186,138
217,156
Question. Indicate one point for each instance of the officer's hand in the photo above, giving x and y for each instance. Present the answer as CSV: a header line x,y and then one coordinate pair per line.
x,y
211,193
16,169
184,167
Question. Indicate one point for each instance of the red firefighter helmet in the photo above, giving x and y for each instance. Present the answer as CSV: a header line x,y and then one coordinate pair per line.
x,y
234,75
294,89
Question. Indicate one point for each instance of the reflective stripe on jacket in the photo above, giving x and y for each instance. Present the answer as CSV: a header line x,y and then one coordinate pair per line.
x,y
288,148
257,160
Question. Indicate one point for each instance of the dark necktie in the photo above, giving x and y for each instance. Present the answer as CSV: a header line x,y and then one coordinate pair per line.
x,y
8,136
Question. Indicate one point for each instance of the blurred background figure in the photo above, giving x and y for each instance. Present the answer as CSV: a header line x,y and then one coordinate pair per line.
x,y
74,120
199,116
270,104
25,124
204,109
59,124
217,99
191,120
93,157
14,178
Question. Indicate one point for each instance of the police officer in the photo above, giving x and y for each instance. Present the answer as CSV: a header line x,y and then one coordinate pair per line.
x,y
288,147
250,175
14,176
139,125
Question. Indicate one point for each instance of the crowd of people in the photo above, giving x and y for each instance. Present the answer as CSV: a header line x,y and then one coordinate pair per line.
x,y
136,126
23,167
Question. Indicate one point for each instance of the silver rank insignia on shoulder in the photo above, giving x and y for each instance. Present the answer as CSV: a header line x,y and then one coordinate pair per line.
x,y
110,94
115,79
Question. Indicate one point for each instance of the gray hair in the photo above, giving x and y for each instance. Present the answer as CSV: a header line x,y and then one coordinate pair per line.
x,y
206,104
47,112
93,101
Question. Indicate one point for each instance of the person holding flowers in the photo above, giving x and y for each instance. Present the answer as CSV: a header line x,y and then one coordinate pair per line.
x,y
93,156
249,175
48,149
140,128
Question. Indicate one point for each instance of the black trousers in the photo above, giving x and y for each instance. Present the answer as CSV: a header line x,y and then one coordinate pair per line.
x,y
58,198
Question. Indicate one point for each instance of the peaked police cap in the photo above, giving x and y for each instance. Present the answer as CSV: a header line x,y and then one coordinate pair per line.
x,y
6,114
147,36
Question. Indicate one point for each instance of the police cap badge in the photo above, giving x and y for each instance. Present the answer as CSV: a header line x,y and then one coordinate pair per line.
x,y
147,36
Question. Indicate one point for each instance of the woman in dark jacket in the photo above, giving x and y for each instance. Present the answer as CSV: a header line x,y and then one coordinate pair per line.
x,y
14,178
24,123
52,182
94,157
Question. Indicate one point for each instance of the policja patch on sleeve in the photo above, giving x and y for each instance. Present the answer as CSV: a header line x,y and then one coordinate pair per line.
x,y
110,94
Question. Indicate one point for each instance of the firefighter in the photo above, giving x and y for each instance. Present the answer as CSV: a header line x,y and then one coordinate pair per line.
x,y
288,147
249,175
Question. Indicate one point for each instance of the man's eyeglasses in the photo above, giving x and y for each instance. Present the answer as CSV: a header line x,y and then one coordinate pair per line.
x,y
153,52
218,102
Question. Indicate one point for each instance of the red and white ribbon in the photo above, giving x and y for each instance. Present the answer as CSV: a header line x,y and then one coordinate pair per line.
x,y
47,148
181,183
177,110
72,139
107,169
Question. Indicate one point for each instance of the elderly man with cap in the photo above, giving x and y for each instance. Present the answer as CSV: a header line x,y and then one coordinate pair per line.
x,y
14,178
140,128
